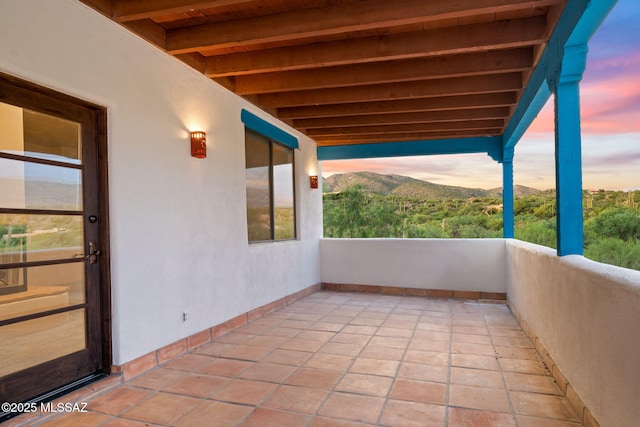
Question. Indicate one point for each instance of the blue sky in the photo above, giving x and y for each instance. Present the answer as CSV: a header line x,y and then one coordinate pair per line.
x,y
610,110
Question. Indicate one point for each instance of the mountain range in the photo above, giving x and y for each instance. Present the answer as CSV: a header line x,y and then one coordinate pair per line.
x,y
410,187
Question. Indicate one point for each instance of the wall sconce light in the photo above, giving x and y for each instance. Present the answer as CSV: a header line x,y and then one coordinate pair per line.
x,y
199,145
313,181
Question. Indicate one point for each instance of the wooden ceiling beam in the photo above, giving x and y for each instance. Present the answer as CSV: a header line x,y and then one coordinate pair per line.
x,y
470,64
393,91
407,128
150,31
442,41
331,20
134,10
403,118
397,137
401,106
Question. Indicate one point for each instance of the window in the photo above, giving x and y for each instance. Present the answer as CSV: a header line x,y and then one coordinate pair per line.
x,y
270,189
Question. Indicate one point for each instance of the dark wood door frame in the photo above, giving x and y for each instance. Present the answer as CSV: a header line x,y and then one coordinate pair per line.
x,y
25,94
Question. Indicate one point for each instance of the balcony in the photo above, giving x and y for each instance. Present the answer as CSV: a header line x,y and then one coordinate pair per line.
x,y
193,321
425,337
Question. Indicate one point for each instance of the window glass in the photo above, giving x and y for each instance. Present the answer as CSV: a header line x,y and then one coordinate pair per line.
x,y
270,189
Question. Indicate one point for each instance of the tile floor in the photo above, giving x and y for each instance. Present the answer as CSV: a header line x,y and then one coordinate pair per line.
x,y
347,359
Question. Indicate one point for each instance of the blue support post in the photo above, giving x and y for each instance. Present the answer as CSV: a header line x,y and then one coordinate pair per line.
x,y
566,87
507,194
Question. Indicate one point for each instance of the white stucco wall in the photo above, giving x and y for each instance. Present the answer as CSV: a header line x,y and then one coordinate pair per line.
x,y
587,315
449,264
178,224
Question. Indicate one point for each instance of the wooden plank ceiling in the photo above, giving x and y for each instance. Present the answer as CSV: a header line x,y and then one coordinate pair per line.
x,y
363,71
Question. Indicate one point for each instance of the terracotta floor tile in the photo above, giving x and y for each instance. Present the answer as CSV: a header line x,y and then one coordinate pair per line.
x,y
263,417
391,342
123,422
375,367
336,359
339,320
531,383
225,367
77,419
489,399
542,405
341,349
395,332
296,399
527,421
366,321
118,400
427,357
323,336
412,414
332,422
506,332
462,417
210,413
269,372
512,342
476,377
426,335
197,385
353,407
295,324
471,338
360,329
517,353
302,344
188,362
161,408
523,366
327,327
474,361
403,324
287,357
315,378
347,338
236,338
463,329
267,341
385,353
214,348
430,326
279,331
429,345
423,372
245,392
246,352
419,391
372,385
157,379
471,348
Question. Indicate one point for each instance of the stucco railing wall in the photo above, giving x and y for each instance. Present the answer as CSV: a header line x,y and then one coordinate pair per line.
x,y
447,264
587,316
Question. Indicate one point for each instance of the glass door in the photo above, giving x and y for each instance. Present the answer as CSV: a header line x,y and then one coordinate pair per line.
x,y
50,317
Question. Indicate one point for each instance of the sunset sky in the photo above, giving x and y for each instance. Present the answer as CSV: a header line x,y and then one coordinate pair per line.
x,y
610,109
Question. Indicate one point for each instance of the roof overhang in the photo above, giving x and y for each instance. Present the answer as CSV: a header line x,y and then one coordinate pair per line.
x,y
378,78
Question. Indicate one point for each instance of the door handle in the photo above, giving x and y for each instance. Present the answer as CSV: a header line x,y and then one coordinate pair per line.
x,y
94,252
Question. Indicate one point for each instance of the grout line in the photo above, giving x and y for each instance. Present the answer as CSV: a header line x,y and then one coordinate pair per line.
x,y
504,382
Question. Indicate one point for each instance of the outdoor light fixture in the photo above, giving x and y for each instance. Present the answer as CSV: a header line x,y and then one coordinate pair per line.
x,y
313,181
199,145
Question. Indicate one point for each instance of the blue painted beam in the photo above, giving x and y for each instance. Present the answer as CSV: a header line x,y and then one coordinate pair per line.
x,y
577,24
265,128
508,218
492,145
